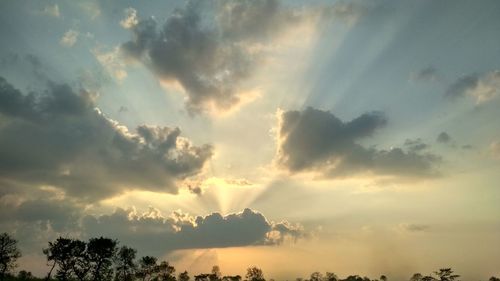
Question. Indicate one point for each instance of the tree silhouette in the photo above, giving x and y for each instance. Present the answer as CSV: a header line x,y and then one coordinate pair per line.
x,y
416,277
493,278
76,259
81,263
216,275
330,276
9,253
231,278
383,278
184,276
316,276
254,274
165,272
125,264
100,253
63,253
51,257
446,274
24,275
354,278
147,268
202,277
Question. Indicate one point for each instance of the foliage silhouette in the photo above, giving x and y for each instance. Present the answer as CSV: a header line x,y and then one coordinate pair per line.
x,y
184,276
100,259
125,264
255,274
9,253
147,268
446,274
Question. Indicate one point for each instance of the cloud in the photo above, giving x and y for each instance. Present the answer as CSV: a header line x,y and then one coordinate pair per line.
x,y
59,138
411,227
69,38
415,145
30,65
282,231
61,215
111,61
495,149
52,10
443,137
130,19
159,234
212,48
348,12
482,88
317,141
429,73
151,232
209,63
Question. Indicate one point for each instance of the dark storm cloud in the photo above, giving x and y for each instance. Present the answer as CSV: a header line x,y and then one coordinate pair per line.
x,y
316,140
59,138
212,47
158,234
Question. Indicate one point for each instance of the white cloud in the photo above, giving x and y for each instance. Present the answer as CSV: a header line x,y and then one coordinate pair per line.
x,y
130,19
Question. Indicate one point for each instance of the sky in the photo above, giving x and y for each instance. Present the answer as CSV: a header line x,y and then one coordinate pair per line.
x,y
356,137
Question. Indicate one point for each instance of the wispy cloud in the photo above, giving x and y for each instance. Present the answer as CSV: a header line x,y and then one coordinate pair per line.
x,y
69,38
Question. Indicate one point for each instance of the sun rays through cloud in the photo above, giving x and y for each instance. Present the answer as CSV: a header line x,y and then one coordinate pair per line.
x,y
296,136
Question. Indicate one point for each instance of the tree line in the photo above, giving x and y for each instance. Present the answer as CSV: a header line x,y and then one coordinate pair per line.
x,y
102,259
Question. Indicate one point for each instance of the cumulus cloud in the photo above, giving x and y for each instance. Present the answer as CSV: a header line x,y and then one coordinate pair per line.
x,y
212,48
158,234
130,19
69,38
318,141
151,232
59,138
209,63
482,88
